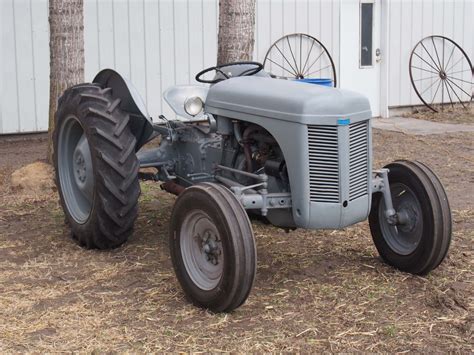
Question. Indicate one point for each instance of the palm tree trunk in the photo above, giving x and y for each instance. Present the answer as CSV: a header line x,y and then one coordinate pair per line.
x,y
236,30
66,25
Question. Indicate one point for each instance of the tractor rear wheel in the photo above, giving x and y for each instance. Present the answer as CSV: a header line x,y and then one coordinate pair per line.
x,y
96,166
212,247
419,240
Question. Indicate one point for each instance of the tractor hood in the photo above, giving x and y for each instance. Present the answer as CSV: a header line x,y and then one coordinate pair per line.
x,y
286,100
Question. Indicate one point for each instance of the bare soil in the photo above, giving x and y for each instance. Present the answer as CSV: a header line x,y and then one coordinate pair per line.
x,y
315,290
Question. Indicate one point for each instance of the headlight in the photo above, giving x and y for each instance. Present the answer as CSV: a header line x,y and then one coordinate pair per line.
x,y
193,105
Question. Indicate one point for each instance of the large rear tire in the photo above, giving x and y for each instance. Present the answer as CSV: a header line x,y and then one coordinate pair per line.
x,y
212,247
419,242
96,166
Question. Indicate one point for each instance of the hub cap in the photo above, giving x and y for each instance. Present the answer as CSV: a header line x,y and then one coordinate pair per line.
x,y
201,250
75,169
405,235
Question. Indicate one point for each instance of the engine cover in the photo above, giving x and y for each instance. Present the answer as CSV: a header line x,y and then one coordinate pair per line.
x,y
324,134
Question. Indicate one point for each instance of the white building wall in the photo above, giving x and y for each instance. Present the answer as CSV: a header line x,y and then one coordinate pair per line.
x,y
161,43
24,66
154,43
412,20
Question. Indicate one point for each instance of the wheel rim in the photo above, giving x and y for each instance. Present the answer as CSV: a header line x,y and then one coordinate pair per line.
x,y
201,250
441,73
75,170
404,237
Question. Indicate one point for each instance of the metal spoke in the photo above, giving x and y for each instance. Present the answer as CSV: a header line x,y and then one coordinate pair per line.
x,y
461,71
291,51
460,88
443,52
460,101
301,45
424,61
452,66
307,70
436,51
450,99
450,56
465,81
434,96
430,77
429,71
309,54
282,67
276,46
429,87
442,95
327,66
434,62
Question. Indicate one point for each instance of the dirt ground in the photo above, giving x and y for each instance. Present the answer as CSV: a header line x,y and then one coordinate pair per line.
x,y
456,114
315,290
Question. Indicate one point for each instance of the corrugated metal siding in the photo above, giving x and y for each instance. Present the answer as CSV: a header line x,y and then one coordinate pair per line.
x,y
24,66
159,44
154,43
412,20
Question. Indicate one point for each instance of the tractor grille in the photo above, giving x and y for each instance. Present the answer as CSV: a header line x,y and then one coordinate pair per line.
x,y
359,159
323,164
324,175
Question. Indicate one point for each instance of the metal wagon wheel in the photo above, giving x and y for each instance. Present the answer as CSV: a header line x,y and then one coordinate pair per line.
x,y
441,73
299,56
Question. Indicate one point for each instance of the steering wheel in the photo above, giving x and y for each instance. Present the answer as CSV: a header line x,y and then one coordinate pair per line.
x,y
218,69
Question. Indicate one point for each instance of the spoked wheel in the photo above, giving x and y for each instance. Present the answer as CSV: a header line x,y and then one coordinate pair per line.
x,y
419,240
441,73
96,166
212,247
300,56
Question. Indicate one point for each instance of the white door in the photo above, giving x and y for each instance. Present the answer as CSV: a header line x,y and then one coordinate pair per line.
x,y
360,58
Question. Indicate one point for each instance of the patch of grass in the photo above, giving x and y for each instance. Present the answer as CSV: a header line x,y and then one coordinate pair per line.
x,y
390,330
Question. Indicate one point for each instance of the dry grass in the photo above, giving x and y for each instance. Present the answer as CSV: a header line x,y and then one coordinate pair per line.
x,y
315,290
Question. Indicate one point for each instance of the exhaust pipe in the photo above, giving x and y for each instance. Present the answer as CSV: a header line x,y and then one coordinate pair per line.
x,y
172,187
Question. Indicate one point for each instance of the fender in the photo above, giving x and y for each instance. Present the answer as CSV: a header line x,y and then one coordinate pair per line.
x,y
141,124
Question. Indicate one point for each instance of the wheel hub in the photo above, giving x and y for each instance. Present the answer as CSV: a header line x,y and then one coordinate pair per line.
x,y
403,234
407,218
202,250
82,167
210,247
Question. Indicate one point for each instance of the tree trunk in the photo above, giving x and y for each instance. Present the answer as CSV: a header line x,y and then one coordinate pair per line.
x,y
236,30
66,44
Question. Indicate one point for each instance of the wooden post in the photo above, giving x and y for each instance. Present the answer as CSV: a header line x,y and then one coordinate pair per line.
x,y
236,30
66,43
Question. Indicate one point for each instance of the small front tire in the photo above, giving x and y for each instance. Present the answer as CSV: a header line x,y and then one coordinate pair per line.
x,y
420,240
212,247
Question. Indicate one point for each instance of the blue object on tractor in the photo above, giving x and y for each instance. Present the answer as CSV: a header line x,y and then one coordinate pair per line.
x,y
319,81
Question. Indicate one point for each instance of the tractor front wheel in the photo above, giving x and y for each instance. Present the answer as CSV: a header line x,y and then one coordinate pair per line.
x,y
96,166
418,240
212,247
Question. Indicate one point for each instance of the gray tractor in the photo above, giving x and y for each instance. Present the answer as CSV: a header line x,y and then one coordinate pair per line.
x,y
246,146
